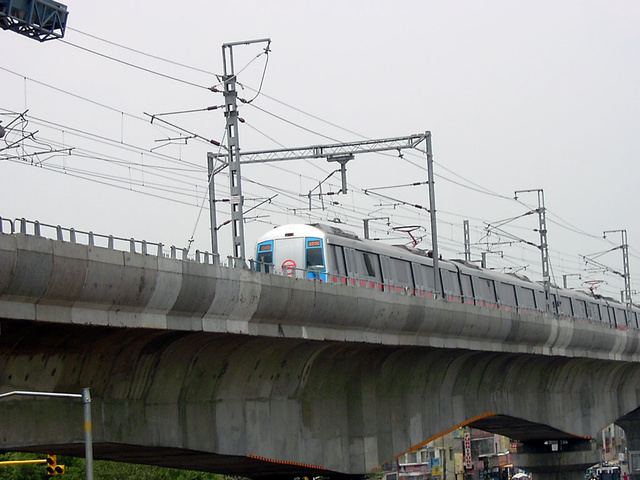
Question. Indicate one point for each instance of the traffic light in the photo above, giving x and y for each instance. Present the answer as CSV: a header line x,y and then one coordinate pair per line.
x,y
52,466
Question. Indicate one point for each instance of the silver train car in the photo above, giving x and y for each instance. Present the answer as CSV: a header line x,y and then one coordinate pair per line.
x,y
330,254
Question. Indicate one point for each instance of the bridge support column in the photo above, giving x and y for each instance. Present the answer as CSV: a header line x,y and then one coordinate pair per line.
x,y
630,423
557,459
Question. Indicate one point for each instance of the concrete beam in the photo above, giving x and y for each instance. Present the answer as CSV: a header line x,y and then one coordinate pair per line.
x,y
341,406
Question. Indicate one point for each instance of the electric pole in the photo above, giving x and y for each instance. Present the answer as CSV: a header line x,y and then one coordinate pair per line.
x,y
544,246
233,145
212,208
625,265
467,240
432,215
366,224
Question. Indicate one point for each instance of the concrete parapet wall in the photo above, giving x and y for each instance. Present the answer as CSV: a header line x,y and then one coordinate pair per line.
x,y
54,281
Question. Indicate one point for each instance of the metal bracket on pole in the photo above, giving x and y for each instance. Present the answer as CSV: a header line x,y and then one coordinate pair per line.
x,y
366,224
342,160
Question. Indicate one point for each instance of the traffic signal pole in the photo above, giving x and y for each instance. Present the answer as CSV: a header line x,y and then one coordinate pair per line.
x,y
88,433
86,400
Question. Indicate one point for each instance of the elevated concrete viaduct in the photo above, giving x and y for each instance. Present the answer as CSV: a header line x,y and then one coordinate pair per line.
x,y
232,371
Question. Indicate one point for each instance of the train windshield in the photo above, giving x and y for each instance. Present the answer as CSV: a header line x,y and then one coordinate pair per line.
x,y
315,258
264,256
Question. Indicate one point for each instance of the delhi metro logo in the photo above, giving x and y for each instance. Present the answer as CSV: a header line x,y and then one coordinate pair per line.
x,y
288,267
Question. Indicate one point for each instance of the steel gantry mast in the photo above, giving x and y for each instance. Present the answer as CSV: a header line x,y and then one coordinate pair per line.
x,y
626,275
338,152
544,246
233,144
333,152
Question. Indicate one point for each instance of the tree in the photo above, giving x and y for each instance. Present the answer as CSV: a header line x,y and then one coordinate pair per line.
x,y
103,470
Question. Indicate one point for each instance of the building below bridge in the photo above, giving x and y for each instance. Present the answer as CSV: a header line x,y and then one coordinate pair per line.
x,y
491,456
463,454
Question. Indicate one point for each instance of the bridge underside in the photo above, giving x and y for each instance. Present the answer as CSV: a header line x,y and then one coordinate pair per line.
x,y
263,468
232,465
262,407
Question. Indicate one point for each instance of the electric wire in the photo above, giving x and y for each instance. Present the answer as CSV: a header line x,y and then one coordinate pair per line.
x,y
141,52
79,97
133,65
293,123
481,189
112,142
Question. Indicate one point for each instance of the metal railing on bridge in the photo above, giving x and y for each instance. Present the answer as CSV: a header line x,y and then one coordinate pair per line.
x,y
112,242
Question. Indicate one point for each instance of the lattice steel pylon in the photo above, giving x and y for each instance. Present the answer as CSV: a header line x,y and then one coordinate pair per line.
x,y
544,246
38,19
626,275
233,145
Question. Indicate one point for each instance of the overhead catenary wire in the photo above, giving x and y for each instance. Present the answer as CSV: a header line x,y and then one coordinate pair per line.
x,y
133,65
140,52
444,178
336,125
464,187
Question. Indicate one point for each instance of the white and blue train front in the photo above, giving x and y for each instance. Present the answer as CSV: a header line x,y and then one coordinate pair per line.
x,y
293,250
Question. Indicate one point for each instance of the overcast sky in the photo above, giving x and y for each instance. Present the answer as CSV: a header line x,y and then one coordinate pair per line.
x,y
517,96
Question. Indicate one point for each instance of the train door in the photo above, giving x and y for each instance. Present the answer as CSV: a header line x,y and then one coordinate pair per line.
x,y
289,256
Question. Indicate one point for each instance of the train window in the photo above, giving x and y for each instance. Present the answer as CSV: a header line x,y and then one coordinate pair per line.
x,y
314,257
486,289
526,297
634,320
579,308
621,317
555,303
369,264
565,306
349,255
402,271
338,260
507,294
594,309
541,302
386,269
465,283
450,282
424,276
608,315
265,256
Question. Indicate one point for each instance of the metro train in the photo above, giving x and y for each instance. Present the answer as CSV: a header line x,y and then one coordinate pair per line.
x,y
330,254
